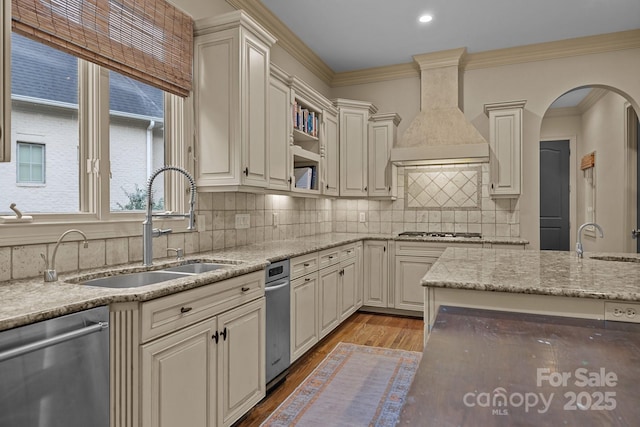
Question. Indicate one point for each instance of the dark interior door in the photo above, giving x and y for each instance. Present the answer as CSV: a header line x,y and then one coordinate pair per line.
x,y
554,195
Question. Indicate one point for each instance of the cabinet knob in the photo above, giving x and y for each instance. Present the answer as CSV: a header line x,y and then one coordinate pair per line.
x,y
365,188
223,334
246,171
185,309
215,337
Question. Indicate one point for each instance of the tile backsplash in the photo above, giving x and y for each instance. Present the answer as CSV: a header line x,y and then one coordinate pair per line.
x,y
452,198
447,198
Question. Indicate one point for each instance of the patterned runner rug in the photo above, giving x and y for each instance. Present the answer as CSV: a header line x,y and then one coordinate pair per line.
x,y
355,385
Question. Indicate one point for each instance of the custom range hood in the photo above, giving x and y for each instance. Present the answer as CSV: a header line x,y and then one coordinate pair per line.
x,y
440,133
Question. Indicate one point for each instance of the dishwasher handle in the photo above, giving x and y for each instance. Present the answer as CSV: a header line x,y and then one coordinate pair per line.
x,y
276,287
48,342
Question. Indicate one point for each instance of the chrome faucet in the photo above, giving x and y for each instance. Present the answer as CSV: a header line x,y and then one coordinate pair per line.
x,y
50,274
579,249
148,232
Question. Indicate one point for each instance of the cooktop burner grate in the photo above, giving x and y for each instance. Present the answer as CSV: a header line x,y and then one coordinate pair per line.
x,y
439,234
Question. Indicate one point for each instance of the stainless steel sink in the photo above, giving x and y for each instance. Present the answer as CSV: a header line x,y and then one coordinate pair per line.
x,y
615,258
134,280
196,267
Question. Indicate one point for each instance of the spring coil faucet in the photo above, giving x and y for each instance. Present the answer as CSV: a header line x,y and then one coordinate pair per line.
x,y
148,232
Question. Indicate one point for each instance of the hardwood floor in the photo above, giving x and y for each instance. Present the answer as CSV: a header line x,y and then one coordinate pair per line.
x,y
375,330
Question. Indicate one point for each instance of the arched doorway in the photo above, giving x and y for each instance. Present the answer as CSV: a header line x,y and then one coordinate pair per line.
x,y
600,135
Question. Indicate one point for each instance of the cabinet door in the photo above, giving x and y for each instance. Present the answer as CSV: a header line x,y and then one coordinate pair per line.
x,y
253,98
409,270
348,288
505,142
328,295
353,152
304,314
359,276
331,169
279,134
376,280
241,354
380,140
178,378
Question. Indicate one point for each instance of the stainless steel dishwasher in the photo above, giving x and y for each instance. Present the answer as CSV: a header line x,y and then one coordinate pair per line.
x,y
277,289
55,373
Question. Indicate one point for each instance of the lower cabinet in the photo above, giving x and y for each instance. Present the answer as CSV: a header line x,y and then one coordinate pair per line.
x,y
304,314
409,271
375,273
321,299
194,358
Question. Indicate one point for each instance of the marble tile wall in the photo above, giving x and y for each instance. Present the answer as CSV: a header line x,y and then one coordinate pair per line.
x,y
461,207
296,217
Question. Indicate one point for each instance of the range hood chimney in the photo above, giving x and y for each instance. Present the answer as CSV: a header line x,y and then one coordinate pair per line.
x,y
440,133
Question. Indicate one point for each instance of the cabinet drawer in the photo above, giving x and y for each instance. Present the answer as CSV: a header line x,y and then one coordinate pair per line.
x,y
303,264
347,252
430,249
329,257
167,314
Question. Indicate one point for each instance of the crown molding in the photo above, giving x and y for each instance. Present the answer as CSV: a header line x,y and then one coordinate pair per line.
x,y
377,74
286,38
594,95
553,50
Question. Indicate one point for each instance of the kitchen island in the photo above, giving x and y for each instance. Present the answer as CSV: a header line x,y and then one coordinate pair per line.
x,y
556,283
528,338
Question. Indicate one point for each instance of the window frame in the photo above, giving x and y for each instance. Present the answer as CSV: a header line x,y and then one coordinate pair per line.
x,y
43,163
95,216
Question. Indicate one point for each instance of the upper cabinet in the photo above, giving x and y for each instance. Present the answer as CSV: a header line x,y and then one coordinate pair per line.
x,y
231,99
279,124
505,143
383,132
354,123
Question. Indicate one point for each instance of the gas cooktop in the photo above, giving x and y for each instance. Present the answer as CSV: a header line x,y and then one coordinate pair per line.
x,y
438,234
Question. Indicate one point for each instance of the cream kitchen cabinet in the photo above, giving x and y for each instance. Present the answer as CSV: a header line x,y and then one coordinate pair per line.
x,y
330,154
353,124
383,131
231,98
196,357
303,272
279,130
325,287
376,273
505,144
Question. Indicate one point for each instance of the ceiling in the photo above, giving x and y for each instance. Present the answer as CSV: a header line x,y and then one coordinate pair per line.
x,y
357,34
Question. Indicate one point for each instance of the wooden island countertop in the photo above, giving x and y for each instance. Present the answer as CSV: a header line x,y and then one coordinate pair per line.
x,y
494,368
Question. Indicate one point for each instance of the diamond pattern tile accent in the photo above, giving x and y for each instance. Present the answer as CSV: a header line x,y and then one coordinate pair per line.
x,y
443,188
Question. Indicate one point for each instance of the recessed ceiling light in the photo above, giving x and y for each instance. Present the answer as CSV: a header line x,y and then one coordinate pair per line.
x,y
425,18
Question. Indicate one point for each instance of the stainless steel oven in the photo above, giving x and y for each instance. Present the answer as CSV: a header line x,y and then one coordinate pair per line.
x,y
55,373
277,289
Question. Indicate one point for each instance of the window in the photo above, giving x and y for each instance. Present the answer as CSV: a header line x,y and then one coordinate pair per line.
x,y
30,163
99,155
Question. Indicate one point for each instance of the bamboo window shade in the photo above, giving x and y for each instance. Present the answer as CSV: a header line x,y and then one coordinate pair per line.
x,y
148,40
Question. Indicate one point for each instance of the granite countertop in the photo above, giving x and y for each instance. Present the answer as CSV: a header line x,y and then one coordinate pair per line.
x,y
597,275
30,300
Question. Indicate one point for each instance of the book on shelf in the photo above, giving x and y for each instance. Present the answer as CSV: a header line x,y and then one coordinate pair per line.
x,y
306,177
305,120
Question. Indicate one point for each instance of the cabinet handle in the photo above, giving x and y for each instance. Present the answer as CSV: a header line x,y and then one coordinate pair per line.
x,y
223,334
492,185
389,188
307,279
330,256
215,337
246,171
327,187
384,249
245,289
306,264
365,188
185,309
349,252
290,180
341,272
